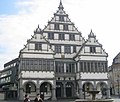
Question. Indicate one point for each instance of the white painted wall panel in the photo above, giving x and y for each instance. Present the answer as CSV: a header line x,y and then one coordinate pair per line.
x,y
46,35
77,37
36,74
62,49
31,46
57,18
55,36
94,76
37,55
87,49
70,27
67,36
61,27
51,26
44,46
98,49
97,58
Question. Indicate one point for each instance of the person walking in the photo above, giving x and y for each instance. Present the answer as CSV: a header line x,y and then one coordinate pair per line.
x,y
26,99
38,98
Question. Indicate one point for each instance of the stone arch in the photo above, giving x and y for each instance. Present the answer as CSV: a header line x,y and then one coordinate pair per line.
x,y
69,89
87,86
102,87
46,90
29,87
46,82
59,89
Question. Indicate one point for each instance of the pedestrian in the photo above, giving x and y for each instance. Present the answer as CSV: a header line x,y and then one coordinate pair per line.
x,y
38,98
26,99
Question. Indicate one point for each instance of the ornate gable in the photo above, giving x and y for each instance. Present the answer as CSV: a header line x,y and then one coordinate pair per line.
x,y
61,22
91,47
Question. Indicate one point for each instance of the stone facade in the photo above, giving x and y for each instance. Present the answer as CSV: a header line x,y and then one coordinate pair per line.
x,y
58,62
114,75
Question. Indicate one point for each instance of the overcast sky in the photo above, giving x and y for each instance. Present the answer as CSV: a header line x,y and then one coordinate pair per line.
x,y
19,18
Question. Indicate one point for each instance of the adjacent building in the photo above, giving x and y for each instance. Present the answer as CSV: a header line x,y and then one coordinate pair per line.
x,y
58,62
115,75
8,80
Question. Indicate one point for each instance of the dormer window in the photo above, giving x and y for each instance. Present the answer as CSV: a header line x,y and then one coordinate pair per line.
x,y
92,50
38,46
61,18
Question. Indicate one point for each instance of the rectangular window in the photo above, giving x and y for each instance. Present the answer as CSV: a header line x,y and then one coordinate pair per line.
x,y
67,49
61,37
92,50
92,70
57,48
61,18
56,26
74,49
40,65
85,68
59,66
65,27
68,68
38,46
50,35
81,66
88,65
71,37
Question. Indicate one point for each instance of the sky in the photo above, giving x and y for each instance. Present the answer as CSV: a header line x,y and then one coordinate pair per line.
x,y
19,19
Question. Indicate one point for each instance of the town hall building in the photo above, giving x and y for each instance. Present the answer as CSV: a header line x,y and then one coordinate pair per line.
x,y
58,62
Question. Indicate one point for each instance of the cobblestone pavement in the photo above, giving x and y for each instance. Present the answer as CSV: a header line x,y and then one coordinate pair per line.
x,y
69,100
63,100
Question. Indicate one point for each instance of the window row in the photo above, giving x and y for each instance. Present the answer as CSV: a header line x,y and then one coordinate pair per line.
x,y
37,64
58,48
61,67
61,27
61,36
61,18
93,67
67,49
5,80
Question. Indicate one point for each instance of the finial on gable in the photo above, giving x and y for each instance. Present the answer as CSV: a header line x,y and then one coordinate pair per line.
x,y
60,5
38,30
91,34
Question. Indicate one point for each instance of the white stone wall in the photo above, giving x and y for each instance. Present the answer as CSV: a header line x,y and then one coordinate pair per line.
x,y
37,55
91,75
37,74
94,75
95,58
